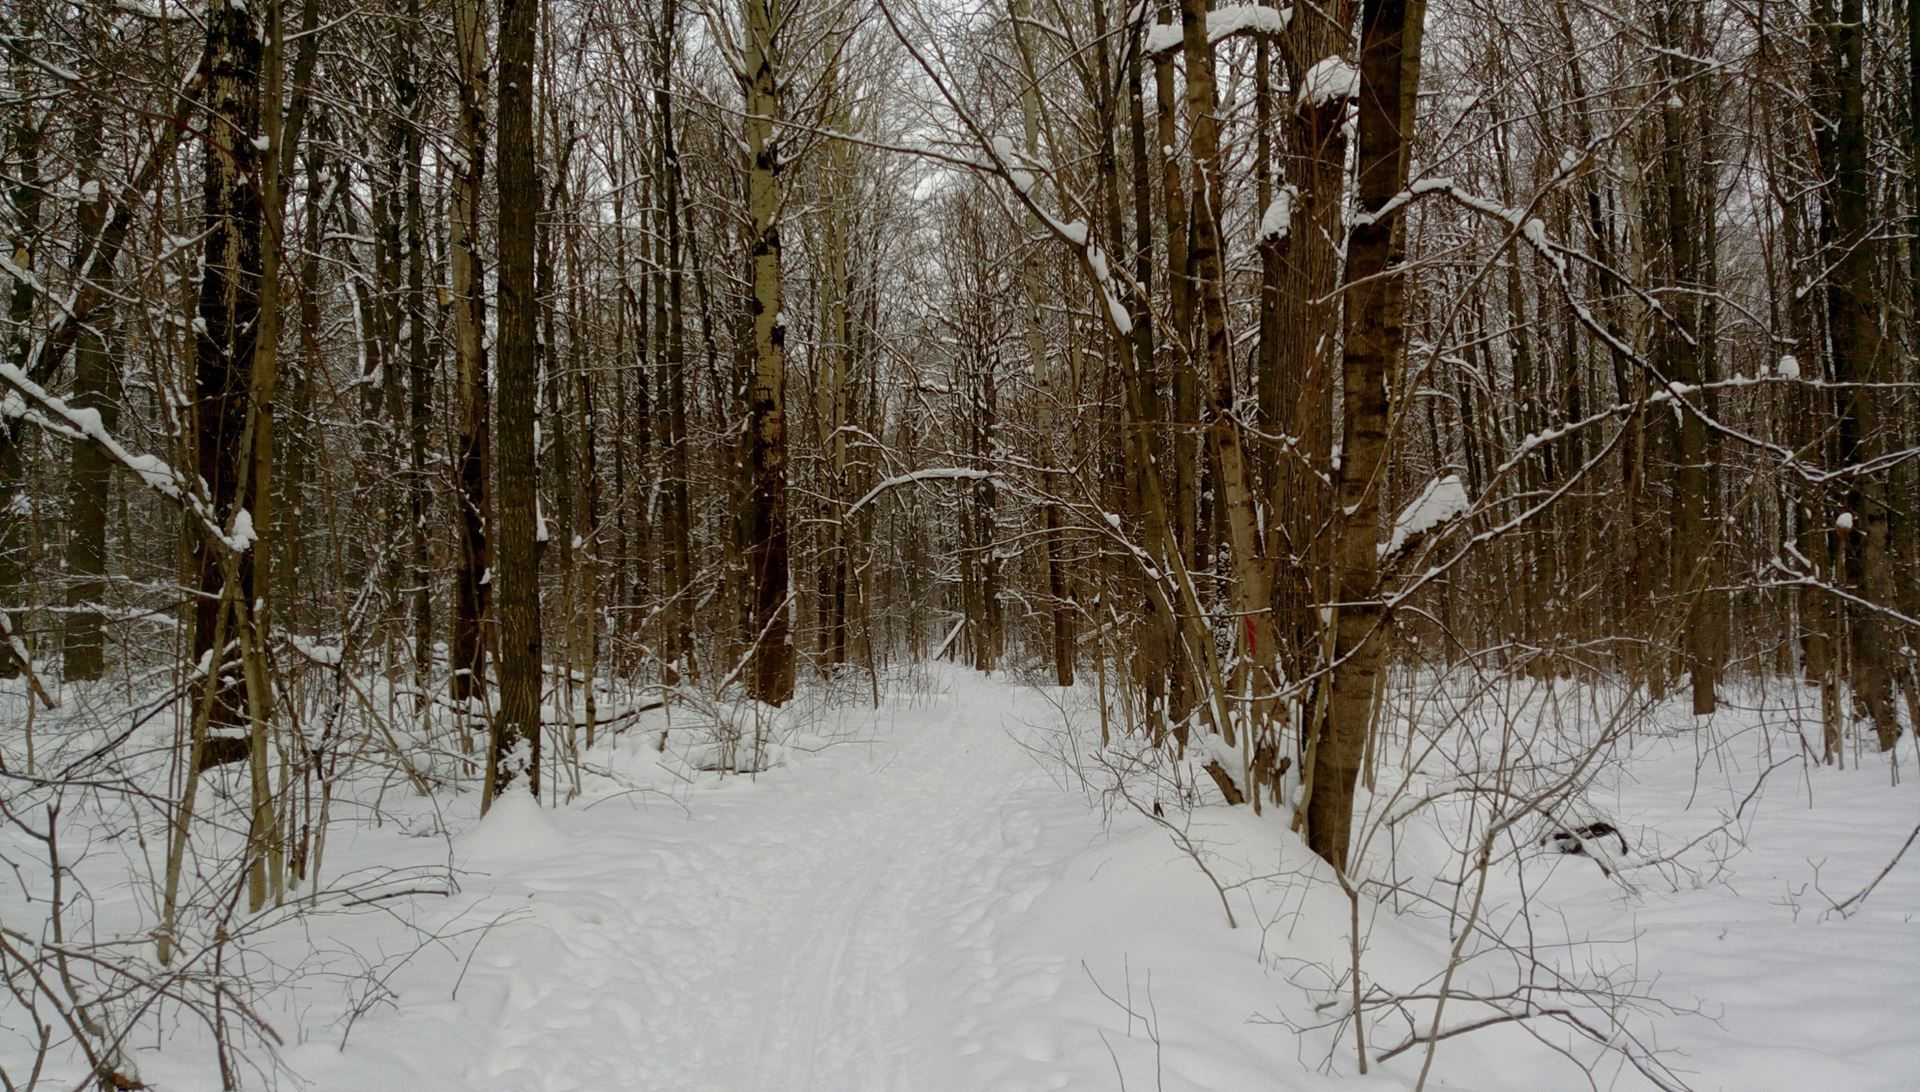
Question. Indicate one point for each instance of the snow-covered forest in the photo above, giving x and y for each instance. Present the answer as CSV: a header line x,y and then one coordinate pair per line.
x,y
953,545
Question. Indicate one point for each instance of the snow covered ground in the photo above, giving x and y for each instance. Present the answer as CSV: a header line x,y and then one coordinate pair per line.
x,y
948,894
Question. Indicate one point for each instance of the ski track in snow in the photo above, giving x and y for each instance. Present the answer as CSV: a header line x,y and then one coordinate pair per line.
x,y
829,930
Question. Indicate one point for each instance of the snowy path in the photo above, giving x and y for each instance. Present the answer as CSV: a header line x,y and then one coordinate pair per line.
x,y
922,907
832,927
789,944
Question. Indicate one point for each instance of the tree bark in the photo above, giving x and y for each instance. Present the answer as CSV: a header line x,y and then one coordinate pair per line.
x,y
1681,342
472,582
1854,330
227,326
516,727
24,139
413,106
1251,595
1375,340
1032,288
771,674
96,386
680,513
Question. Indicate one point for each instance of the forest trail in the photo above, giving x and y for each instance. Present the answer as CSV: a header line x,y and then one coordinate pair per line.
x,y
831,927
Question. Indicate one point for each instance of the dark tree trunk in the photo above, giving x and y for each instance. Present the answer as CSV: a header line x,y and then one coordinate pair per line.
x,y
472,584
516,727
1375,339
227,326
770,677
96,386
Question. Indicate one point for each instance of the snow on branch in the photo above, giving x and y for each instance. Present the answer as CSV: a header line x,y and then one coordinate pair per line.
x,y
1794,578
1443,500
1018,171
31,402
940,473
1531,232
1002,160
1223,22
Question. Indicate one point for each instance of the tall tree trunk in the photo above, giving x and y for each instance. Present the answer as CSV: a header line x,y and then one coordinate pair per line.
x,y
1159,633
96,386
1306,326
420,368
1032,288
1681,353
516,726
1857,353
1178,340
24,138
1375,340
472,582
1251,575
227,329
680,514
1269,380
771,674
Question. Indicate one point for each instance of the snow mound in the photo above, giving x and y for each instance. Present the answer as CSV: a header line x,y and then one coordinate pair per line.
x,y
516,826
